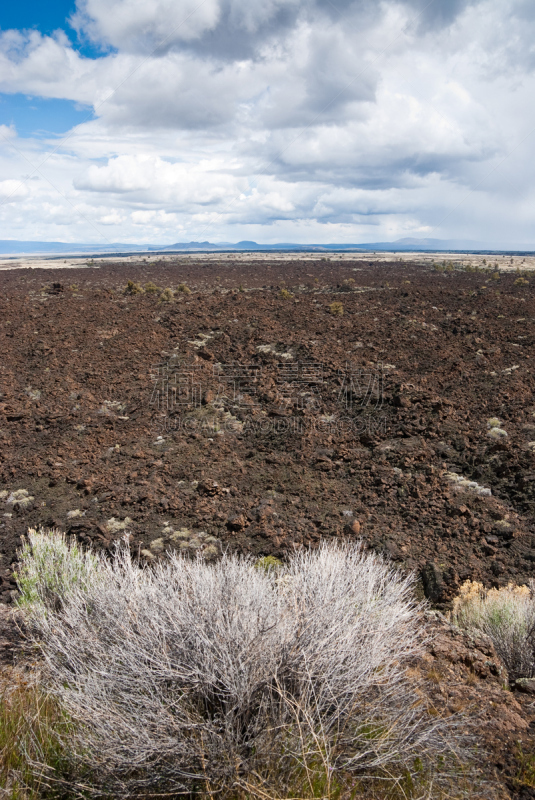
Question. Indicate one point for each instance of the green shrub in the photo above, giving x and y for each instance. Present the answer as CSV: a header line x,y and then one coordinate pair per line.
x,y
285,294
151,288
183,288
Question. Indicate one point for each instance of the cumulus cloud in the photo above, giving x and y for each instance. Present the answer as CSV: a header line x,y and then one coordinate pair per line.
x,y
152,180
227,118
232,29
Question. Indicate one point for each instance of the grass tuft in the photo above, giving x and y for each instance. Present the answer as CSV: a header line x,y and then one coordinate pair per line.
x,y
34,761
507,616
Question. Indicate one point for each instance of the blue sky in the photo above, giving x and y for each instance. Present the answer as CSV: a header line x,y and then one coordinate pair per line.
x,y
269,120
36,116
45,16
39,117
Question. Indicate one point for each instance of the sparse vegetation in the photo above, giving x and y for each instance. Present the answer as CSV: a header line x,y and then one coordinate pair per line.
x,y
151,288
521,281
183,288
285,294
336,309
262,420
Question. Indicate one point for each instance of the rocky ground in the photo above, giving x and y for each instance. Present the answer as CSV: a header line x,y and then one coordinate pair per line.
x,y
249,413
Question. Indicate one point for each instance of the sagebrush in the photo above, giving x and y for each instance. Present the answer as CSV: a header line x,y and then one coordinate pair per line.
x,y
49,568
224,678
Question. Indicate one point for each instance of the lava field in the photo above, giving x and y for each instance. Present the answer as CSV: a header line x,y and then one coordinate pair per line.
x,y
269,405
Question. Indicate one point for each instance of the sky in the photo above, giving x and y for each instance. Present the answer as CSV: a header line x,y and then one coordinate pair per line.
x,y
162,121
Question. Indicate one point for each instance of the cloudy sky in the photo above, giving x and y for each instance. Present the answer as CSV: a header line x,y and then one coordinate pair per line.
x,y
272,120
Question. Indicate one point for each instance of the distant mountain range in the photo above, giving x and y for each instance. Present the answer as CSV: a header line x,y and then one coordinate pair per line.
x,y
15,247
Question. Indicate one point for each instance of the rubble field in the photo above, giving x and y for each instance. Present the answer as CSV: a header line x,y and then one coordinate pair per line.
x,y
268,405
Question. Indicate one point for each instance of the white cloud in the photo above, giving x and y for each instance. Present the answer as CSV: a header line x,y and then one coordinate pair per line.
x,y
150,179
278,119
12,190
142,24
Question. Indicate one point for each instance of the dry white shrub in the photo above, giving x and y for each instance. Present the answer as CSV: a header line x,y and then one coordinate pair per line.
x,y
193,676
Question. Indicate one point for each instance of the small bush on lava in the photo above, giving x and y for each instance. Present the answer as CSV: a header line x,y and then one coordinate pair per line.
x,y
336,308
167,296
507,616
183,288
151,288
222,677
133,288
